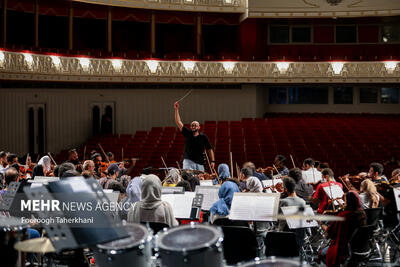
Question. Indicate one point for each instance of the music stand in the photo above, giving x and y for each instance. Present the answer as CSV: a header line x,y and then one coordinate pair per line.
x,y
254,206
106,225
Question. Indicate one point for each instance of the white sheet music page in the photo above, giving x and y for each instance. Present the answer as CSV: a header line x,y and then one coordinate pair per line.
x,y
311,176
181,203
254,206
295,224
206,182
210,195
337,192
396,192
268,183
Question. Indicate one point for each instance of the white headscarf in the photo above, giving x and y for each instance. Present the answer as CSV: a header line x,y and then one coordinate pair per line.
x,y
254,185
173,176
45,162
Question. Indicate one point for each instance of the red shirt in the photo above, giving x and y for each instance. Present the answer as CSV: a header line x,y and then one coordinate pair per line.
x,y
322,196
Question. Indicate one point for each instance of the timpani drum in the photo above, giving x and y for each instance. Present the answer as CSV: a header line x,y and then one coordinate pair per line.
x,y
271,262
190,245
134,250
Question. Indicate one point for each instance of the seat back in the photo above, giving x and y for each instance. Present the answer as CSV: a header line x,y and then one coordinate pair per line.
x,y
373,215
281,244
360,240
240,244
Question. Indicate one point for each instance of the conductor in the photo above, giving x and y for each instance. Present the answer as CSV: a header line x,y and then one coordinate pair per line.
x,y
195,144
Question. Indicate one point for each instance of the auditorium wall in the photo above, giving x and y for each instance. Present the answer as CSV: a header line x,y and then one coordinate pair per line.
x,y
68,111
68,117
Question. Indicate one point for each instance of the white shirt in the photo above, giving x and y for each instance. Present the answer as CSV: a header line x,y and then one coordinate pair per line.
x,y
311,175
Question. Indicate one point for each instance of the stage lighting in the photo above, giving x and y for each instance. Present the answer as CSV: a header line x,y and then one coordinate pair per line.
x,y
283,66
229,66
337,67
85,62
189,66
117,64
153,65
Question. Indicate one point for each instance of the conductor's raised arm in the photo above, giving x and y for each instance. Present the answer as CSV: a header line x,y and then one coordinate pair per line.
x,y
177,116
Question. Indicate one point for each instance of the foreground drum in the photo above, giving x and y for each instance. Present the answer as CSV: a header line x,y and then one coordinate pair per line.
x,y
134,250
273,262
190,245
12,230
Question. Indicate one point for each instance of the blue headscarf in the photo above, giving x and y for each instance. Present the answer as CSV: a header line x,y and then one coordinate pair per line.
x,y
225,194
223,171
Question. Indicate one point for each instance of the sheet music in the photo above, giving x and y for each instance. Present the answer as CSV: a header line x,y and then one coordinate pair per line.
x,y
268,183
311,176
206,182
210,195
43,179
337,192
396,192
254,206
295,224
181,203
172,189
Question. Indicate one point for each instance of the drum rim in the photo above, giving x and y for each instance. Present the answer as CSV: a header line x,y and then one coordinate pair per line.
x,y
268,260
15,225
103,248
213,242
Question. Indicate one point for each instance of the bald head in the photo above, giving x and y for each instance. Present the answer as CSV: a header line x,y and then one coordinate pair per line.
x,y
195,126
11,175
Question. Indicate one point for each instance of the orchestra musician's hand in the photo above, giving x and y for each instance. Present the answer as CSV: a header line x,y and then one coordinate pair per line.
x,y
213,165
28,161
346,177
363,174
176,105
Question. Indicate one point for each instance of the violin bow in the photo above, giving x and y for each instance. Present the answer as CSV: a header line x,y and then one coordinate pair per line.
x,y
211,169
332,199
84,153
102,150
54,162
165,166
294,165
231,161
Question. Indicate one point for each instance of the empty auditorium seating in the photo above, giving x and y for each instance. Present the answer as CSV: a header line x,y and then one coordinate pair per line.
x,y
348,142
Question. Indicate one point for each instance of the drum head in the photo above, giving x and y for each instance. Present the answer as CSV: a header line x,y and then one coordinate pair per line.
x,y
188,237
137,234
272,263
11,224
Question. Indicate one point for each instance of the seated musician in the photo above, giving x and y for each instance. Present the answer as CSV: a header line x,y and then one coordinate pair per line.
x,y
292,199
110,156
11,175
302,189
340,232
369,195
376,173
261,176
246,178
74,159
173,177
193,180
221,208
320,195
151,208
280,164
45,162
113,172
89,166
310,174
223,173
96,158
395,180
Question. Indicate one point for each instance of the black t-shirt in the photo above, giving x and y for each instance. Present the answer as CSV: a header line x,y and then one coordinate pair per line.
x,y
195,145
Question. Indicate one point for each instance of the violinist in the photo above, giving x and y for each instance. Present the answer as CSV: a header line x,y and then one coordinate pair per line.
x,y
395,180
111,158
260,175
280,164
310,174
173,178
252,184
320,195
289,185
302,189
89,166
112,172
98,164
74,159
223,173
376,173
45,162
3,161
369,195
340,232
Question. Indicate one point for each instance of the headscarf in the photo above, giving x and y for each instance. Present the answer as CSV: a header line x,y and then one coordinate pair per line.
x,y
353,202
223,171
151,192
151,200
173,176
45,162
134,189
225,194
254,185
